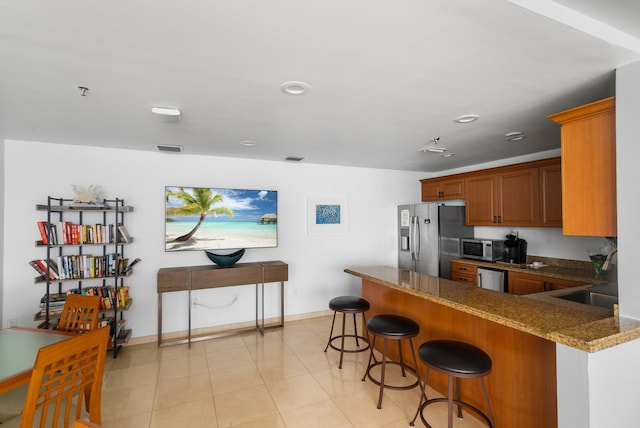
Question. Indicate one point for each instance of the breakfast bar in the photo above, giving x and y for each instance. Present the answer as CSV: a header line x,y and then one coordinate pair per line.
x,y
518,333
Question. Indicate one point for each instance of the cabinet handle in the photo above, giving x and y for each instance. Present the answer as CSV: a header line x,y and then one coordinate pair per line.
x,y
495,219
499,219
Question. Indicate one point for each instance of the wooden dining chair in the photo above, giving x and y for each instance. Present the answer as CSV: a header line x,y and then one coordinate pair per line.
x,y
65,374
80,313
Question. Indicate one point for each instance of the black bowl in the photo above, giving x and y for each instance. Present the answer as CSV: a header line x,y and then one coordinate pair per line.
x,y
225,260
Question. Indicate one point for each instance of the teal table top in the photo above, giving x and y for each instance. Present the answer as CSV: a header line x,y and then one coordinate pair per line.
x,y
18,350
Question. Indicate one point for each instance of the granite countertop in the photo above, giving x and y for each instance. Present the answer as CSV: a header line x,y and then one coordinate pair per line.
x,y
576,325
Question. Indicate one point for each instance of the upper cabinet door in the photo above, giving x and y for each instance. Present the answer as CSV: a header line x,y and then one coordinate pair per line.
x,y
519,201
481,192
436,189
588,138
550,193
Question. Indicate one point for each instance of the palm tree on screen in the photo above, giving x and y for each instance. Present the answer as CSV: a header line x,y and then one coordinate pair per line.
x,y
199,203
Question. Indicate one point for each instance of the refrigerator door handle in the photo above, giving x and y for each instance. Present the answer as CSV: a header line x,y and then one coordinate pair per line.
x,y
413,257
415,236
480,280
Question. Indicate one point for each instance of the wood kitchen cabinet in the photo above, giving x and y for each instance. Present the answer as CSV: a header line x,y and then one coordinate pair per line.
x,y
588,137
462,272
524,283
527,194
507,197
437,189
550,176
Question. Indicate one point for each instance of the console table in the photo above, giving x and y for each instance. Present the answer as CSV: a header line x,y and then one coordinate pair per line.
x,y
190,278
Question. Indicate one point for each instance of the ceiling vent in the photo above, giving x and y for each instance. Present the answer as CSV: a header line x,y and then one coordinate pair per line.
x,y
294,158
169,148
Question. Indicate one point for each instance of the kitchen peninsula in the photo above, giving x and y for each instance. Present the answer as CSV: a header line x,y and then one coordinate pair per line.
x,y
519,333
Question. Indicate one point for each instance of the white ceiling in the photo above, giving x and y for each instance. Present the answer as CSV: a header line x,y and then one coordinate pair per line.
x,y
386,76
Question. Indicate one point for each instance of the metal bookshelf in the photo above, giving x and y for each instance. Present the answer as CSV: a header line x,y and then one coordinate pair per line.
x,y
109,245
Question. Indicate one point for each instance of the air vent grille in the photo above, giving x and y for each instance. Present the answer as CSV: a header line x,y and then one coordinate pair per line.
x,y
294,158
169,148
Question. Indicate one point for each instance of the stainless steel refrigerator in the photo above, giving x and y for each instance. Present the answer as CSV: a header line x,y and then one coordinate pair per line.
x,y
429,237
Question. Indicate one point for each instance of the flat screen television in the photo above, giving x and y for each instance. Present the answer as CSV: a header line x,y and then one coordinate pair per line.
x,y
210,218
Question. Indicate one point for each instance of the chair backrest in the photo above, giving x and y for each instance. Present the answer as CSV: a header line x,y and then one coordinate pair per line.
x,y
63,375
80,313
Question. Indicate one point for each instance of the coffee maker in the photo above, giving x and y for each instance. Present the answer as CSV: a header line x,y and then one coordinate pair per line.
x,y
516,248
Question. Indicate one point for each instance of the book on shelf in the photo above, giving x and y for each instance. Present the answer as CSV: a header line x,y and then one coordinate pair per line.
x,y
78,234
123,234
79,266
130,265
48,233
43,267
44,236
107,294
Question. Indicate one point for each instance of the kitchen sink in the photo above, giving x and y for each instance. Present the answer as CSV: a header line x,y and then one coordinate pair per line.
x,y
591,298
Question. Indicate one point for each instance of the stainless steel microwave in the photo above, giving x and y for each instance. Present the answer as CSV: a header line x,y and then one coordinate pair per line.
x,y
488,250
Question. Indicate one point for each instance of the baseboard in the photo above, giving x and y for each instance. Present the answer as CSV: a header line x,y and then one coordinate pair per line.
x,y
223,328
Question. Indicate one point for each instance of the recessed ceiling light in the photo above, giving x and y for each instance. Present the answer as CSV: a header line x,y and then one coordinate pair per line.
x,y
466,118
248,143
515,136
446,155
295,88
165,111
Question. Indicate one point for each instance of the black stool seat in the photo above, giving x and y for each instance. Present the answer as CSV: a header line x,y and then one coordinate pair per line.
x,y
392,327
456,357
348,304
457,360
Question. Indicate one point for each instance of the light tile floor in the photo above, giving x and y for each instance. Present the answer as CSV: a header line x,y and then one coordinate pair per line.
x,y
281,379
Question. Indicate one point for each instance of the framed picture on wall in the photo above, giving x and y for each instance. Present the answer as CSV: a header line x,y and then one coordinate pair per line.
x,y
326,216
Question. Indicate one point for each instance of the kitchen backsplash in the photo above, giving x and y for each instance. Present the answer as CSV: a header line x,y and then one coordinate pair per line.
x,y
547,242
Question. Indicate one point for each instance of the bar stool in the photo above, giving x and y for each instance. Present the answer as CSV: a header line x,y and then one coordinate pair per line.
x,y
393,327
347,305
457,360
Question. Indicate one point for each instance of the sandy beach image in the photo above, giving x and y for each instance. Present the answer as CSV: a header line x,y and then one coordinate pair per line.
x,y
221,235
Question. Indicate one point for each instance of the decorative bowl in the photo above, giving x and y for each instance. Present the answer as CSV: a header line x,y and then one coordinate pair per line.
x,y
224,259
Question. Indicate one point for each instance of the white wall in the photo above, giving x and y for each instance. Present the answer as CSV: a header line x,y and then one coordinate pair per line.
x,y
628,178
600,390
1,228
35,170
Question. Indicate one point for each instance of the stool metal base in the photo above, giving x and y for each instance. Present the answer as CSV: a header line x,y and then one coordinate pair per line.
x,y
343,335
403,366
425,401
458,403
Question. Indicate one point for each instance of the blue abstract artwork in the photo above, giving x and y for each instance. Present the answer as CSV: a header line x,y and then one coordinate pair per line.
x,y
327,214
